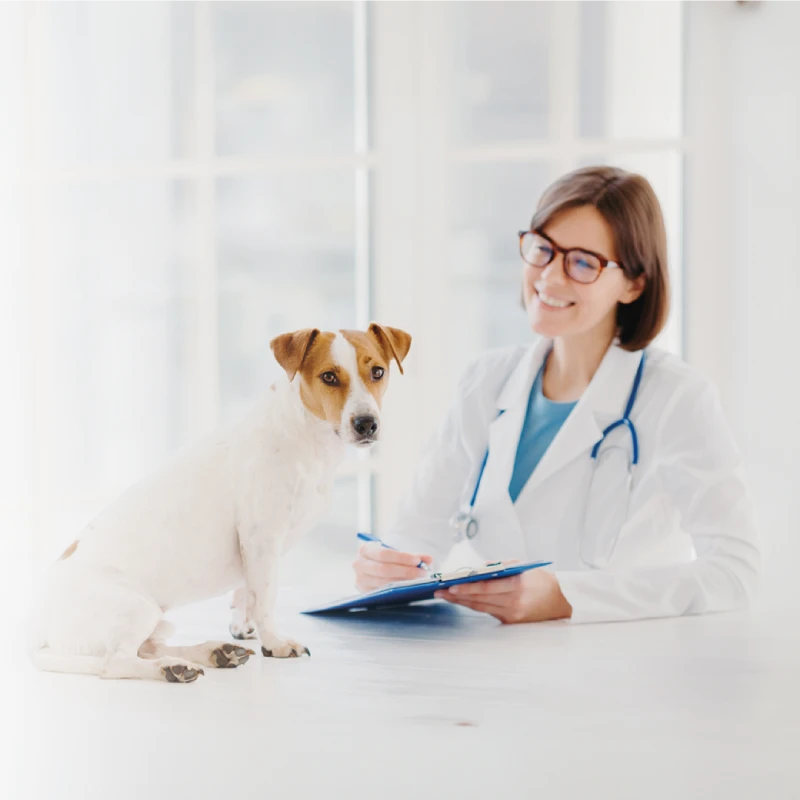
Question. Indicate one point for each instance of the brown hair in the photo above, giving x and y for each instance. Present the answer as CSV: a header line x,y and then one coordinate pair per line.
x,y
630,207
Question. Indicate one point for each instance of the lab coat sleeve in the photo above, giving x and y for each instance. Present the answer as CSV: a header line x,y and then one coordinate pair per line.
x,y
422,524
701,470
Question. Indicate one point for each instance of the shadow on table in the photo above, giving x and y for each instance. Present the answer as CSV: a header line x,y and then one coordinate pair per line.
x,y
430,615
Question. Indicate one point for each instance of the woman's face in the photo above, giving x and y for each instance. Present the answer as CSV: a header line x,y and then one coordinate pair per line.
x,y
589,307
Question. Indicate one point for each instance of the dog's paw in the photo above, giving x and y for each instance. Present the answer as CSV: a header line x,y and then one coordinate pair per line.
x,y
180,673
246,631
230,655
284,649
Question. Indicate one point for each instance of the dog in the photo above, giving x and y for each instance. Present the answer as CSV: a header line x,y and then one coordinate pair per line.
x,y
217,517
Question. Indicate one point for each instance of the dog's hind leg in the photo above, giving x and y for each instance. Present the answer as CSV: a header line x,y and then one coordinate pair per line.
x,y
143,624
209,654
94,622
120,664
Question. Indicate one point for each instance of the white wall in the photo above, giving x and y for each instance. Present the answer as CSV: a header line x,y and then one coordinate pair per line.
x,y
743,253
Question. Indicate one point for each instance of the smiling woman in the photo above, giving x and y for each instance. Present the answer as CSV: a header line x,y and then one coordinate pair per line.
x,y
616,218
589,449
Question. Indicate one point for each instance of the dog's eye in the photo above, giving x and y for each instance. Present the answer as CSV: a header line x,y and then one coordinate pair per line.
x,y
330,378
377,373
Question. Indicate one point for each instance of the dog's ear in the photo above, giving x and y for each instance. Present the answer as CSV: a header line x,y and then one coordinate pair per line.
x,y
394,343
290,349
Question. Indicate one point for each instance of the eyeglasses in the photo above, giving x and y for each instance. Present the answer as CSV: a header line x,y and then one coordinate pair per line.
x,y
583,266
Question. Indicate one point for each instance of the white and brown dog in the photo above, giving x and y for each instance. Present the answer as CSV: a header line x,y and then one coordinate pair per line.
x,y
218,517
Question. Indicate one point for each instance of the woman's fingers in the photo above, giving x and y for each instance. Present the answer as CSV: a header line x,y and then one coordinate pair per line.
x,y
483,588
376,566
475,604
374,552
386,572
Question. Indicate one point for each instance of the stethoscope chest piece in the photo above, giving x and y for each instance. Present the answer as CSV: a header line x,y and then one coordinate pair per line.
x,y
464,525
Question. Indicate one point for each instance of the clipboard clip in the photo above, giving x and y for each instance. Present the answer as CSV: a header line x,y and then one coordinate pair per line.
x,y
466,572
443,577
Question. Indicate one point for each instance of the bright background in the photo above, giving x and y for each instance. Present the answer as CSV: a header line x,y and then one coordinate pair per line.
x,y
180,182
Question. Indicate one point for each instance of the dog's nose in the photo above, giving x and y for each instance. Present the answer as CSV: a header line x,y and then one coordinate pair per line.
x,y
365,426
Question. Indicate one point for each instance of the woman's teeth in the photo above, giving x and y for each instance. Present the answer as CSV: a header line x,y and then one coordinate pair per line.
x,y
553,302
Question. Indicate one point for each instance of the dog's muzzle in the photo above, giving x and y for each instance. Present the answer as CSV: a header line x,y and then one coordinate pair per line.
x,y
365,430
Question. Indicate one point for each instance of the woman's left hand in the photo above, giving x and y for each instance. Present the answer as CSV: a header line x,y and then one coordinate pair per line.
x,y
533,596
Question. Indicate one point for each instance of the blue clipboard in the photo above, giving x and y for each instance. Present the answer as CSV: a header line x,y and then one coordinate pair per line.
x,y
404,592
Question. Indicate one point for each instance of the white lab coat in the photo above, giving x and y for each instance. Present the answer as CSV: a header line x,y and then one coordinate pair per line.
x,y
688,543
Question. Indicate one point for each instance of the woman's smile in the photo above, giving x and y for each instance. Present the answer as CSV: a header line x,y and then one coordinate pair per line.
x,y
551,302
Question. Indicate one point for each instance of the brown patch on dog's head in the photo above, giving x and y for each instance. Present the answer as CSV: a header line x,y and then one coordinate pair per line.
x,y
324,385
69,551
374,349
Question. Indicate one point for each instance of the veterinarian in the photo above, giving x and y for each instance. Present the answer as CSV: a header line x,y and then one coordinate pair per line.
x,y
589,448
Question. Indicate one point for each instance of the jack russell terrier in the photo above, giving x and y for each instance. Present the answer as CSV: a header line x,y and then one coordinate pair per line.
x,y
218,517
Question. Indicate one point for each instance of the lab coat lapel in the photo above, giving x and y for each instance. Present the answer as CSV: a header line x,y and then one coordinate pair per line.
x,y
602,402
512,403
501,535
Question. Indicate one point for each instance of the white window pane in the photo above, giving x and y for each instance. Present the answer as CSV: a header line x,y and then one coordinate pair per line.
x,y
490,204
592,67
630,70
116,81
284,78
286,261
12,86
500,78
15,330
117,266
15,339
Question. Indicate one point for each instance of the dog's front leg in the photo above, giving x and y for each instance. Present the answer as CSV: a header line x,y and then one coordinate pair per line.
x,y
241,626
260,556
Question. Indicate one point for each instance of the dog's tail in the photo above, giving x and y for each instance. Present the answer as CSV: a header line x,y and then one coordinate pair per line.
x,y
45,659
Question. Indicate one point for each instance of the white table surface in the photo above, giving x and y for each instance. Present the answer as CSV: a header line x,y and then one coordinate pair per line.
x,y
433,701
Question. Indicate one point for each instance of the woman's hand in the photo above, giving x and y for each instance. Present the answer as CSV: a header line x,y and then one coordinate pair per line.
x,y
375,566
533,596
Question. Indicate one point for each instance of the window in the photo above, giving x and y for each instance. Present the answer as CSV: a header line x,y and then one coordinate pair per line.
x,y
184,181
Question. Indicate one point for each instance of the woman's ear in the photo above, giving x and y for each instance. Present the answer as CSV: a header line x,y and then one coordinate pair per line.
x,y
634,290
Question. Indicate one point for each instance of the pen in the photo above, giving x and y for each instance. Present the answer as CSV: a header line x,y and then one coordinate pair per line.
x,y
366,537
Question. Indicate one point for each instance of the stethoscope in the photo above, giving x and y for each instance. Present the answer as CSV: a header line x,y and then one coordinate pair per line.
x,y
465,525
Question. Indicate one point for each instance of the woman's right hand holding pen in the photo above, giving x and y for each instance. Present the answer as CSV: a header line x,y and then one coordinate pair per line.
x,y
375,566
